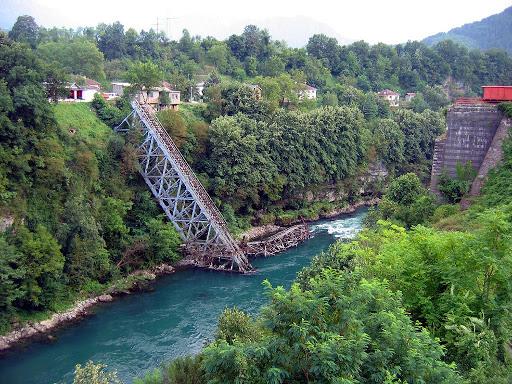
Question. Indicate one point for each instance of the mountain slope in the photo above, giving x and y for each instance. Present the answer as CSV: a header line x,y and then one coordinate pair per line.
x,y
492,32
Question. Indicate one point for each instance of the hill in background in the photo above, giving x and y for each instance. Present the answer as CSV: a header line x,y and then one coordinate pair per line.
x,y
492,32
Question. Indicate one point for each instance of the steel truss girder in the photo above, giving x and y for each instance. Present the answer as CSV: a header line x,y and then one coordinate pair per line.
x,y
179,193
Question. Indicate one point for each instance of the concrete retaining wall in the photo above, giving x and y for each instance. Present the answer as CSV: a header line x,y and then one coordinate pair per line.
x,y
470,132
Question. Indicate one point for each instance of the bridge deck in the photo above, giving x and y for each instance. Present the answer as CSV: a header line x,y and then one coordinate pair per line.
x,y
207,240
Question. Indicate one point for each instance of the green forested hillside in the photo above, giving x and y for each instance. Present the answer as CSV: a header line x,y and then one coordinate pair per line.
x,y
81,217
492,32
421,296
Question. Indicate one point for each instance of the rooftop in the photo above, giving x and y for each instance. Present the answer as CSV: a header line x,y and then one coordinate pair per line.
x,y
387,92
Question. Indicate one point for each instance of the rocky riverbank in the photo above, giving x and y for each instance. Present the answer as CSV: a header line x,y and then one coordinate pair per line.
x,y
132,283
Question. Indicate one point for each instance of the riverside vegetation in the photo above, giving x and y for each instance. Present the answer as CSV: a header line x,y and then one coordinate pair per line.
x,y
393,306
422,295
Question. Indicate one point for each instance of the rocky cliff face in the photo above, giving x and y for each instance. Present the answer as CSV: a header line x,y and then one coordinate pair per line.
x,y
364,185
470,131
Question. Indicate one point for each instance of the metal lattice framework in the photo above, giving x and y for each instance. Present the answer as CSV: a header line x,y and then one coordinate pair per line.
x,y
182,197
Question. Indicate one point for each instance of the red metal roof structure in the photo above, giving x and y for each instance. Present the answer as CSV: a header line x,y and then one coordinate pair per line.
x,y
497,93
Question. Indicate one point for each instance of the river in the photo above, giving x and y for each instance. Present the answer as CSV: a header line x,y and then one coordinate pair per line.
x,y
136,333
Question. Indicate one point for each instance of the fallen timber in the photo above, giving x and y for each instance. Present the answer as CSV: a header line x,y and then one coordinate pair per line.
x,y
279,242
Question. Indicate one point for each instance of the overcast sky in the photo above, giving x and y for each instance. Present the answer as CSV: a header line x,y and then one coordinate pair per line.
x,y
391,21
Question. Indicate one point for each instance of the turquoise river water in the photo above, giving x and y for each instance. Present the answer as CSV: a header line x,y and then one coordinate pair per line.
x,y
137,333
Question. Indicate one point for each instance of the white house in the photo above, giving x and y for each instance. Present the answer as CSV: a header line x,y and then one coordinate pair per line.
x,y
307,92
83,92
390,96
200,88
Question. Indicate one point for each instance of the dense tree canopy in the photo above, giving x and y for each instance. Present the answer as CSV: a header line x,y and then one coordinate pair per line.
x,y
69,184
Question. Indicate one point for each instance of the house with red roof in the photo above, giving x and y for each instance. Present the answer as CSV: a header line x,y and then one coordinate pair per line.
x,y
390,96
83,91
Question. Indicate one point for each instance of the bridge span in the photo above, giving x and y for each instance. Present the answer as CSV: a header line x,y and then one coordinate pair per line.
x,y
207,240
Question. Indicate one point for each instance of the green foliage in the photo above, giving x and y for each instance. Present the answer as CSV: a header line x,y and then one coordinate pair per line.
x,y
453,189
447,279
78,56
444,211
420,131
405,189
108,113
154,377
330,332
25,30
253,162
406,202
506,108
42,263
185,370
175,125
69,184
164,242
143,76
236,325
497,190
389,142
92,373
10,275
230,99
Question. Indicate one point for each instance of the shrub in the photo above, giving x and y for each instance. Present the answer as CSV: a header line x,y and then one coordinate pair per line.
x,y
454,189
94,374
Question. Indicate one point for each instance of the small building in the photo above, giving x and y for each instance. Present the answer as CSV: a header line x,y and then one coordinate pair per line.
x,y
256,91
83,92
390,96
119,87
162,97
307,92
409,96
200,88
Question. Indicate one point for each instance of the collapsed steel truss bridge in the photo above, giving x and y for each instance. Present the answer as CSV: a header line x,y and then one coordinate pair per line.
x,y
181,195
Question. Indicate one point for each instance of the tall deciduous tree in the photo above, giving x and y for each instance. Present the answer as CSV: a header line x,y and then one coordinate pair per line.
x,y
144,76
25,30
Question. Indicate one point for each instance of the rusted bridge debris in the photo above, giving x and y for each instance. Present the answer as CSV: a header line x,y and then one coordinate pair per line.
x,y
279,242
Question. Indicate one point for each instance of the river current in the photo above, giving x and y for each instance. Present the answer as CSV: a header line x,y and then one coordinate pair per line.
x,y
137,333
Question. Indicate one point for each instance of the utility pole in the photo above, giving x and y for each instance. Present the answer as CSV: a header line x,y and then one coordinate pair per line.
x,y
167,24
156,25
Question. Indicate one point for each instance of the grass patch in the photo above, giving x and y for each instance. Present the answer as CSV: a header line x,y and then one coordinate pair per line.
x,y
79,120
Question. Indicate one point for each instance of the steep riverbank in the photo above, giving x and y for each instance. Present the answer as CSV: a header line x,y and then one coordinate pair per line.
x,y
134,282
